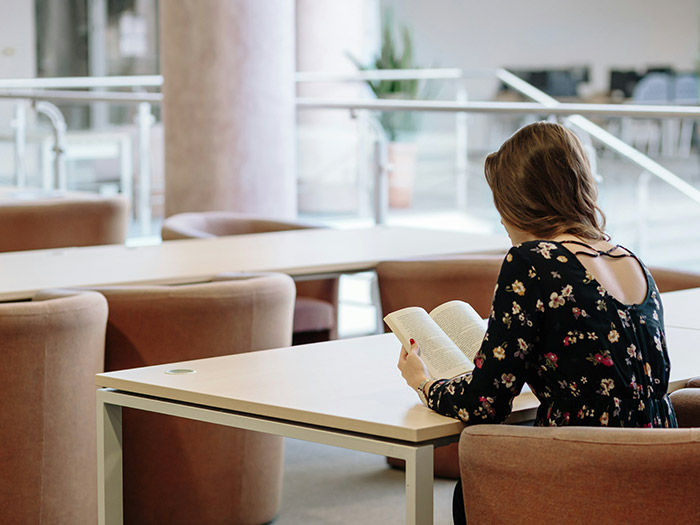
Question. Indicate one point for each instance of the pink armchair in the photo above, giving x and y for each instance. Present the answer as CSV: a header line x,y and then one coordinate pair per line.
x,y
316,307
52,347
180,471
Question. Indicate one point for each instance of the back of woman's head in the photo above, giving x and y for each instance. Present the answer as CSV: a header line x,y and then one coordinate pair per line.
x,y
542,183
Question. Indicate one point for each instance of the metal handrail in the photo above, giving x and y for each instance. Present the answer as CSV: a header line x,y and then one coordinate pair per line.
x,y
605,137
82,96
301,76
438,106
131,81
615,110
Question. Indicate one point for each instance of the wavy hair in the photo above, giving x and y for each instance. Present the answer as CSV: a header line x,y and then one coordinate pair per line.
x,y
542,183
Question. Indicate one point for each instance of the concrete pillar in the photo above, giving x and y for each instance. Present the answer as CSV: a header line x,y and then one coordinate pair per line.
x,y
332,147
229,110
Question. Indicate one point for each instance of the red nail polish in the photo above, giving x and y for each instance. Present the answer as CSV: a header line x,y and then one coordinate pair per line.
x,y
412,341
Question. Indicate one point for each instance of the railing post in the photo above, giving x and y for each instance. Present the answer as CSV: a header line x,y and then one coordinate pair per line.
x,y
145,121
381,171
381,181
58,124
642,212
462,151
19,123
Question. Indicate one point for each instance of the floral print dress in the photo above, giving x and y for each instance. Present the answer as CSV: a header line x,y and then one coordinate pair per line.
x,y
588,358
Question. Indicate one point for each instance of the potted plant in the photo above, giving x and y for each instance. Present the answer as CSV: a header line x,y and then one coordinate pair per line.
x,y
399,126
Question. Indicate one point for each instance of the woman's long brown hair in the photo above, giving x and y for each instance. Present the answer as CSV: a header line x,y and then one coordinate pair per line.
x,y
542,183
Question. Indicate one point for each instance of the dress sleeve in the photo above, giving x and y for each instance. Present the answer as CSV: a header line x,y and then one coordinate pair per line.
x,y
486,394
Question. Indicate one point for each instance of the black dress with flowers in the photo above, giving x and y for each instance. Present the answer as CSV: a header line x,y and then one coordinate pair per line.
x,y
588,358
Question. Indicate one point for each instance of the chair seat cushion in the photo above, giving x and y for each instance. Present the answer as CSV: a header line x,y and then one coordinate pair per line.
x,y
313,315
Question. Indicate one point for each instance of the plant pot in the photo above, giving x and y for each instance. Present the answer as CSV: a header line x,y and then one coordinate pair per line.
x,y
402,159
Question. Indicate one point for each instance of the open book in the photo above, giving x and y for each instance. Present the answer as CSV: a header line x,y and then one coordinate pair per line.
x,y
449,336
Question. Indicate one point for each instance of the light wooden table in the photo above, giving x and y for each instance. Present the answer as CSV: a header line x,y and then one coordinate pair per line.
x,y
682,308
346,393
299,253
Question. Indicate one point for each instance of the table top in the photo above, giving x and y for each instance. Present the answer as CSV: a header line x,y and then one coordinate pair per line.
x,y
348,384
682,308
13,195
296,252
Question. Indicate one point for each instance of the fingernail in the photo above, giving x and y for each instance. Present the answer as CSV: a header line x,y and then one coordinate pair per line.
x,y
412,341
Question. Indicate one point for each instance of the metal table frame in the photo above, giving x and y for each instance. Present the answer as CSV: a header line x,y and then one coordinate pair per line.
x,y
418,456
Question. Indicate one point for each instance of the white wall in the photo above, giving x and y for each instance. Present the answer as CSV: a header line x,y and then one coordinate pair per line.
x,y
553,33
17,40
17,60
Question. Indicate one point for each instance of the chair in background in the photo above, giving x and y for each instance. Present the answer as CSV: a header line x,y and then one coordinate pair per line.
x,y
522,474
316,307
686,403
646,134
52,347
685,93
429,283
60,222
181,471
671,280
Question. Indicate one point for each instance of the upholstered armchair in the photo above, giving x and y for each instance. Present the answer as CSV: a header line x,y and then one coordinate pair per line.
x,y
532,475
181,471
429,283
686,404
62,222
670,280
52,347
316,307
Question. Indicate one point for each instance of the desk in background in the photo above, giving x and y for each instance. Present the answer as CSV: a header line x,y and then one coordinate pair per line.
x,y
682,309
299,253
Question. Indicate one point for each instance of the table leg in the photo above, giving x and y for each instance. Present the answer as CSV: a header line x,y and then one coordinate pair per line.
x,y
109,463
419,486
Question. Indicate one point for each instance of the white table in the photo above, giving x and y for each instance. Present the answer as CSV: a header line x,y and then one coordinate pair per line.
x,y
299,253
351,396
682,308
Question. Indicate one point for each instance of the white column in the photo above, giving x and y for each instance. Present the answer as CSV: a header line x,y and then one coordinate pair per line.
x,y
229,109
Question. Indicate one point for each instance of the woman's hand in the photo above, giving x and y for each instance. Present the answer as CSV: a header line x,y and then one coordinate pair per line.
x,y
412,367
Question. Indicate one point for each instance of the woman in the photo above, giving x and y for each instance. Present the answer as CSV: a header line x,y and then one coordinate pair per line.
x,y
576,317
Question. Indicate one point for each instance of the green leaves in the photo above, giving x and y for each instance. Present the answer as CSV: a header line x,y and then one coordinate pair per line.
x,y
393,55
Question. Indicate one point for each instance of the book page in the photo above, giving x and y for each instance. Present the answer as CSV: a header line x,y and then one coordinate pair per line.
x,y
442,357
462,325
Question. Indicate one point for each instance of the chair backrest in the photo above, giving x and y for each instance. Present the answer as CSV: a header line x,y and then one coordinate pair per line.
x,y
431,282
685,89
529,475
224,314
653,88
180,471
52,347
62,222
207,224
670,280
686,404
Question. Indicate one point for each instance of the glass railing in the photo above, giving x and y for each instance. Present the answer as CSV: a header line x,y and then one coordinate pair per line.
x,y
354,167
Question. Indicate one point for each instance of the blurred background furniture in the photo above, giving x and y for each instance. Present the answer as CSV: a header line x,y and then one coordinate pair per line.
x,y
670,280
52,347
686,403
429,283
316,307
685,93
180,471
533,475
32,220
655,88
